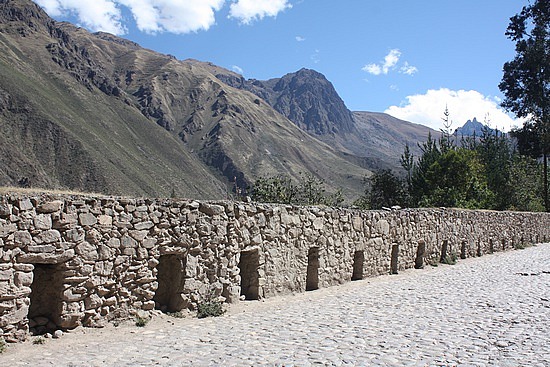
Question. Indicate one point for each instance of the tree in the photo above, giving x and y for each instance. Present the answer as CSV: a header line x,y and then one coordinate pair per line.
x,y
386,190
456,179
526,79
446,142
430,154
407,162
526,181
277,189
283,190
496,154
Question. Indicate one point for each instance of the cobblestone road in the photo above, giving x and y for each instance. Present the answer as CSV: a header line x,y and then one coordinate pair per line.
x,y
489,311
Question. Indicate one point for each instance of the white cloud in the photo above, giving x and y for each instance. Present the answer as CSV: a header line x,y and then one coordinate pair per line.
x,y
155,16
173,16
372,69
96,15
52,7
390,63
427,109
390,60
237,69
300,39
408,69
316,57
247,11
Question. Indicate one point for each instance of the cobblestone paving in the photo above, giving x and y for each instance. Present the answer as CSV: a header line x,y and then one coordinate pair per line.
x,y
489,311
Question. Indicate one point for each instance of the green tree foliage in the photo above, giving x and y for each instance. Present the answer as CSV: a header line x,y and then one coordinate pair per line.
x,y
430,154
526,185
276,189
446,140
484,173
407,162
495,153
526,80
310,190
385,189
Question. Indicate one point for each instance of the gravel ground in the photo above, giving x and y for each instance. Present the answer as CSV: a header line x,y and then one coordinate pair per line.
x,y
488,311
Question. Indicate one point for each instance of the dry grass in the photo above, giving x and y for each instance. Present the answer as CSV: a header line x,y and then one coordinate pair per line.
x,y
37,191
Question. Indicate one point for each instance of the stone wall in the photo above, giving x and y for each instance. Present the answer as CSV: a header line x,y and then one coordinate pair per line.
x,y
76,260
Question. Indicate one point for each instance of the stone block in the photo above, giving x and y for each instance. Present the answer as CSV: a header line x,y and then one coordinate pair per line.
x,y
65,221
7,306
139,235
105,252
93,302
22,238
22,279
69,296
113,243
23,267
318,223
5,210
87,251
46,258
111,301
49,236
6,275
105,220
75,235
211,209
87,219
50,207
6,230
149,243
128,242
382,227
129,251
41,248
43,221
93,236
357,223
71,321
256,240
24,204
143,225
14,317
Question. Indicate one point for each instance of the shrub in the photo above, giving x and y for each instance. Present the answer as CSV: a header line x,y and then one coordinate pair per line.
x,y
3,346
141,321
449,259
177,314
210,308
521,245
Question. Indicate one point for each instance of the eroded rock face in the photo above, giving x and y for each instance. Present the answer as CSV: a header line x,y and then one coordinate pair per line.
x,y
305,97
75,260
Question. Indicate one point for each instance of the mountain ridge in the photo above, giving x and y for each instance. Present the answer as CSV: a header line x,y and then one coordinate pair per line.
x,y
127,120
326,117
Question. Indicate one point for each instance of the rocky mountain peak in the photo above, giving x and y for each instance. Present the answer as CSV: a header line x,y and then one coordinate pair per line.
x,y
471,128
308,99
305,97
17,13
118,40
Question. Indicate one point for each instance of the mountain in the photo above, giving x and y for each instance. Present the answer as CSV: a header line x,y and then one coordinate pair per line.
x,y
473,128
96,112
384,136
308,99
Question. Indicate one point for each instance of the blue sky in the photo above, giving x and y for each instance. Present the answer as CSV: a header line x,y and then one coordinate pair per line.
x,y
407,58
